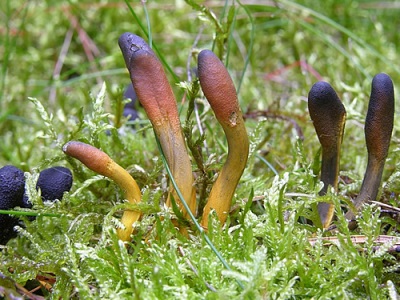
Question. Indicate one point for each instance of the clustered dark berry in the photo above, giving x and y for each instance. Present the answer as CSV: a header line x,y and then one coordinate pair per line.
x,y
52,182
12,188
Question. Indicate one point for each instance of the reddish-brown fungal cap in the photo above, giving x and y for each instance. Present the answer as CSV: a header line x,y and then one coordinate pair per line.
x,y
90,156
149,80
218,88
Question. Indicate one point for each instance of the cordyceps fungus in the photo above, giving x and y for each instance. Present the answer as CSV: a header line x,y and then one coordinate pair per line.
x,y
328,115
101,163
156,96
220,92
12,188
378,130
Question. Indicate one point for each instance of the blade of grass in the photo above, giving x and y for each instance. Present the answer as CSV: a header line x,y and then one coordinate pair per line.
x,y
250,48
271,167
28,213
146,13
329,40
147,34
230,24
342,29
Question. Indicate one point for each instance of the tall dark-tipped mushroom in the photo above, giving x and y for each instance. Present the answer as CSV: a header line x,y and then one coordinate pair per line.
x,y
378,132
156,96
12,187
328,115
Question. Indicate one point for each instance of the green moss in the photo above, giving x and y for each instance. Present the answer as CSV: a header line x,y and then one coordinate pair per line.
x,y
274,52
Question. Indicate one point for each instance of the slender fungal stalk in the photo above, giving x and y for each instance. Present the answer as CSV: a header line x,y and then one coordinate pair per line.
x,y
220,92
378,132
328,115
156,96
101,163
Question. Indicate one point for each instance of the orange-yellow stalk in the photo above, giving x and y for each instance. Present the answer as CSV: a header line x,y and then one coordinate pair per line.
x,y
378,132
220,92
156,96
101,163
328,115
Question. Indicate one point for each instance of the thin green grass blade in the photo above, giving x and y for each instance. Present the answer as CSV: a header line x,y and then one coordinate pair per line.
x,y
342,29
330,42
268,164
230,27
28,213
154,46
146,13
250,48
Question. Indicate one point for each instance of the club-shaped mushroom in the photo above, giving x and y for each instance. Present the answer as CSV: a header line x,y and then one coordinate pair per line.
x,y
12,187
378,131
328,115
156,96
101,163
220,92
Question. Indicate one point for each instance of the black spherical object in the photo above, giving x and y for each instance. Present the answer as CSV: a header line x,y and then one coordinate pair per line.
x,y
12,187
7,231
53,182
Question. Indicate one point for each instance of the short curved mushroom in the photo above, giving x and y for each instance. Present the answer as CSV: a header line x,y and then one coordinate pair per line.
x,y
329,116
12,188
220,92
155,94
378,131
101,163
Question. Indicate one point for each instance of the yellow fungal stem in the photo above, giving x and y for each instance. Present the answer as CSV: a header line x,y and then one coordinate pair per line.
x,y
220,92
155,94
101,163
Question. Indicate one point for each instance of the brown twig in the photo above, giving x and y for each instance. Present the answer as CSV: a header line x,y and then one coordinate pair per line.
x,y
362,239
